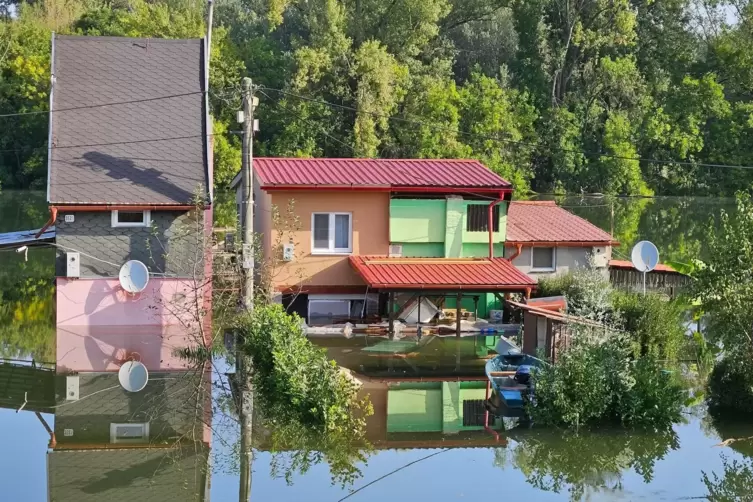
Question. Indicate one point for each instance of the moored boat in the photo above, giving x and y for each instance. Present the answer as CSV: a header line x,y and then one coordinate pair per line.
x,y
510,376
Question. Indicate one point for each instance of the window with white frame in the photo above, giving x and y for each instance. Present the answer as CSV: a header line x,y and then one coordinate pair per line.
x,y
129,433
330,309
543,259
131,218
331,233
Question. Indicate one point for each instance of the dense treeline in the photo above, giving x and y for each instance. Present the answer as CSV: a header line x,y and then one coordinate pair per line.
x,y
610,96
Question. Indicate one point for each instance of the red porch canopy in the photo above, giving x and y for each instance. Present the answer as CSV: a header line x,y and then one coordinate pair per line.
x,y
449,274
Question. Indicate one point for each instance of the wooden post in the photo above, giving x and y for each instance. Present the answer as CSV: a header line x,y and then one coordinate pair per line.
x,y
475,307
390,313
458,299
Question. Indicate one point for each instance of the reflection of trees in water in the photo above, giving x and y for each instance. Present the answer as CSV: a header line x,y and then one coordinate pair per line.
x,y
584,462
735,483
27,305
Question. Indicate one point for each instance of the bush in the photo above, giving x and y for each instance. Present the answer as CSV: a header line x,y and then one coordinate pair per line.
x,y
655,324
597,381
293,379
587,291
730,385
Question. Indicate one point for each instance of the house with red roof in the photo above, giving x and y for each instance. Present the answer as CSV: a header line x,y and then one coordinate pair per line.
x,y
344,239
544,239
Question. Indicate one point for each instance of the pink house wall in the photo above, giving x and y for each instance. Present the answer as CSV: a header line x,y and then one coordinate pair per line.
x,y
98,324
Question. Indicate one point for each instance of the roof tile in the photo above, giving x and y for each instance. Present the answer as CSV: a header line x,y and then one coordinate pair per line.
x,y
480,274
127,153
387,173
544,221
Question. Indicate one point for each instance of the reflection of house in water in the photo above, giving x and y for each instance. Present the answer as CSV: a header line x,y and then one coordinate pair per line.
x,y
425,393
433,412
111,444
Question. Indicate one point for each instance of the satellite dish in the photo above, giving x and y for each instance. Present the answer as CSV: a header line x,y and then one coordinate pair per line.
x,y
645,256
134,276
133,376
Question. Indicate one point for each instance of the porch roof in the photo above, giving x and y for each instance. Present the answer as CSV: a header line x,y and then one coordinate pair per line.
x,y
450,274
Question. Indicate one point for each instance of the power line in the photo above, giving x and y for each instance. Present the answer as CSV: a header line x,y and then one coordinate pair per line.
x,y
123,142
114,103
403,118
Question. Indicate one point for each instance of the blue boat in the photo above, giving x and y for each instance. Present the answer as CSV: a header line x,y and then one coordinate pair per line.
x,y
510,376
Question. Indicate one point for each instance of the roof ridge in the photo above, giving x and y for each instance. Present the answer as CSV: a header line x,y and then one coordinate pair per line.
x,y
368,159
535,202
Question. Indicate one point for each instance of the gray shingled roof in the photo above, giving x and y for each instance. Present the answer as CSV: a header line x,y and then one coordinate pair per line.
x,y
127,153
129,475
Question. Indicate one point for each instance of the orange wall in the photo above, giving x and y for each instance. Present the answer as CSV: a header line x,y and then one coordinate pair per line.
x,y
371,218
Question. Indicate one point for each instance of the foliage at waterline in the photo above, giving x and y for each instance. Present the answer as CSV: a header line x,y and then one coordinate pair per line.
x,y
724,287
552,94
611,373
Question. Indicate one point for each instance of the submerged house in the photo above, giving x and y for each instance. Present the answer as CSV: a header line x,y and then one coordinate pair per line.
x,y
129,179
371,229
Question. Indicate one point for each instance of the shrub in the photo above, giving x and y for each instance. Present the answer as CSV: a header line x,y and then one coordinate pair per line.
x,y
655,324
293,379
587,291
730,385
596,381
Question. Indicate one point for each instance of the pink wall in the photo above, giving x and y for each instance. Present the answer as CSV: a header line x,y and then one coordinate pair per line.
x,y
98,324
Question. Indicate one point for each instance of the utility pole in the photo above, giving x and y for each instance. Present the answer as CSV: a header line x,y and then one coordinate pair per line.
x,y
243,363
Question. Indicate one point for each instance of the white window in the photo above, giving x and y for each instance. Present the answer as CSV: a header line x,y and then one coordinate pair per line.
x,y
131,218
129,433
331,233
543,259
331,309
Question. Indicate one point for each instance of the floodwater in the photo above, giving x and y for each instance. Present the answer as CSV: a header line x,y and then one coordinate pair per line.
x,y
420,451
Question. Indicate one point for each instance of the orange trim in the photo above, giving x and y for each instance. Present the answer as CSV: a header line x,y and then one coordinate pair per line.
x,y
386,188
571,244
321,290
127,207
518,250
53,217
490,223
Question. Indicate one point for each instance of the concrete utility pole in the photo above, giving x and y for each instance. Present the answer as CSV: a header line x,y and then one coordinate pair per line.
x,y
243,363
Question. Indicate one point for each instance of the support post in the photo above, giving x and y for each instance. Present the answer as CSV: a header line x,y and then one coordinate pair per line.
x,y
475,307
243,361
458,299
418,325
391,314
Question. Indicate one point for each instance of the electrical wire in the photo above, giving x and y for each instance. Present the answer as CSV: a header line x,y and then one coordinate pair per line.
x,y
114,103
405,118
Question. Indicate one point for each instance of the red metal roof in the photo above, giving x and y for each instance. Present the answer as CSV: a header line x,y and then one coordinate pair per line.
x,y
545,222
376,173
624,264
480,274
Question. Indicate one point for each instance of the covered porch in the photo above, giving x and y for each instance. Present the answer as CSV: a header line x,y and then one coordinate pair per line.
x,y
408,282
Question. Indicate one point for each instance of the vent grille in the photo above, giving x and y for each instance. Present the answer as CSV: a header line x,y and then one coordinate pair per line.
x,y
474,413
477,219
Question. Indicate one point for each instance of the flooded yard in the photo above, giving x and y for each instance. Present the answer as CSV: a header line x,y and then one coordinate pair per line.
x,y
421,446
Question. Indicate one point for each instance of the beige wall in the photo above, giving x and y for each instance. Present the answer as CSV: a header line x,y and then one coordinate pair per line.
x,y
370,219
567,259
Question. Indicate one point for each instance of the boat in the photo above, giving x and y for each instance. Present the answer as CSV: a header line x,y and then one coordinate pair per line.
x,y
509,374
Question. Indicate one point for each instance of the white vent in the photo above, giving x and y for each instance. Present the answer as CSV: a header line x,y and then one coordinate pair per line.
x,y
288,250
68,432
72,264
71,388
396,250
129,433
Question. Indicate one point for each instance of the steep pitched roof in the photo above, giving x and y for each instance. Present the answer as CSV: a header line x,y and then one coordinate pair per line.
x,y
545,222
128,121
387,174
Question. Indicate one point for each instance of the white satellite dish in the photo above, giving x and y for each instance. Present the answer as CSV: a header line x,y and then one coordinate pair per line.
x,y
133,376
134,276
645,256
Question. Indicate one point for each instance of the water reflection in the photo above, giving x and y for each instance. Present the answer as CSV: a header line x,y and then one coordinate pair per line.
x,y
587,461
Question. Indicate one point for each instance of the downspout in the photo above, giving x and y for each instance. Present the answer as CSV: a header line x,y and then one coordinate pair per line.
x,y
518,250
51,221
491,223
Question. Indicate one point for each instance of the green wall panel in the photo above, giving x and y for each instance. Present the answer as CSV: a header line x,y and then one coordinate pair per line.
x,y
481,237
455,224
481,250
414,410
425,250
417,220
